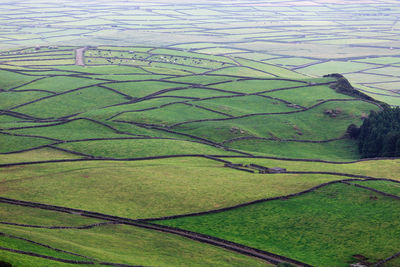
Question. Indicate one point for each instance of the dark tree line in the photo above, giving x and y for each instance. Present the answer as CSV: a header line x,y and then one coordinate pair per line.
x,y
379,135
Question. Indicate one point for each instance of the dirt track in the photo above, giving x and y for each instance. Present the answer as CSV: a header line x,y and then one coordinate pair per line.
x,y
79,59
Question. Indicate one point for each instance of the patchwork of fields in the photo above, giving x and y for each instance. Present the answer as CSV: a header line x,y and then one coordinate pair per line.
x,y
146,133
357,38
140,147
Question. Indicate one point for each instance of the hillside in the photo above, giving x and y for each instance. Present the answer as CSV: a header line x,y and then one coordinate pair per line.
x,y
127,101
142,156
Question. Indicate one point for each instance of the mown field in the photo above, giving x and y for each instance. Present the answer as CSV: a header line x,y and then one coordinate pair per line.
x,y
101,147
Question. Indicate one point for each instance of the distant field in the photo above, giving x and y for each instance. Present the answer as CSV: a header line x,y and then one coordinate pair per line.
x,y
304,36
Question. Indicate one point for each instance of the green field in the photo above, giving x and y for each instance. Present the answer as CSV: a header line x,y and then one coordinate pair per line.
x,y
330,215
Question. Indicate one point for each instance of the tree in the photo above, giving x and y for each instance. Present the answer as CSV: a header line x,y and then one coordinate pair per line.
x,y
379,135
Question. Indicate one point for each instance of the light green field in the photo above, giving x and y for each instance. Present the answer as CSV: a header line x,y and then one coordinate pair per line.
x,y
37,155
374,168
145,189
137,148
141,247
72,102
332,67
59,84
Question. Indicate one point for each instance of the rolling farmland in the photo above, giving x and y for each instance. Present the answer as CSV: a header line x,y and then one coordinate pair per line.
x,y
206,134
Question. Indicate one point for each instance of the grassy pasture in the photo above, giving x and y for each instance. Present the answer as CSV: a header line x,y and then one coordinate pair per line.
x,y
58,84
169,115
13,243
374,168
386,71
311,123
256,86
273,70
105,113
146,189
197,92
307,96
202,79
140,247
73,130
333,66
242,71
72,102
136,148
192,55
9,79
10,143
387,187
142,88
48,62
12,99
241,105
335,150
322,228
37,155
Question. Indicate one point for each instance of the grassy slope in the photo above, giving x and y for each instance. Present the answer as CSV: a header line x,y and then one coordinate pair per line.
x,y
375,168
150,188
174,186
138,148
74,130
72,102
11,143
129,245
140,246
36,155
387,187
323,228
336,150
94,101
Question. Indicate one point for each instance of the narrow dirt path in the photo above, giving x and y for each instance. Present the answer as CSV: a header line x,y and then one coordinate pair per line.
x,y
79,59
